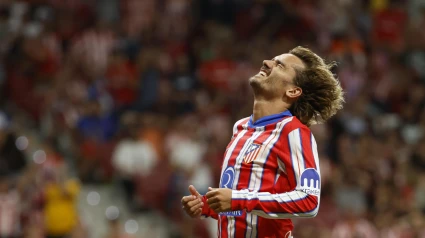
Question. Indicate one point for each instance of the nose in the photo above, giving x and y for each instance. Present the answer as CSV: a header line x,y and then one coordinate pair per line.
x,y
268,64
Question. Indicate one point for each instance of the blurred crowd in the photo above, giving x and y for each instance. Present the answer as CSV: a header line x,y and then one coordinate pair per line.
x,y
143,94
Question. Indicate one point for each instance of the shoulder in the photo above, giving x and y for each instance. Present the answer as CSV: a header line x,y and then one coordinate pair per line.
x,y
239,124
295,125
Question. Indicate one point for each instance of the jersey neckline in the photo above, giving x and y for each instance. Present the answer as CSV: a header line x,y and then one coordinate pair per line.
x,y
267,120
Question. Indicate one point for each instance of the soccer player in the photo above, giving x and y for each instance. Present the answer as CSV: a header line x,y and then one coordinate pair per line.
x,y
270,171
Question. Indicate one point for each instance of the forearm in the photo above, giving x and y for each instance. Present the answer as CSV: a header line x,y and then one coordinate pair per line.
x,y
277,206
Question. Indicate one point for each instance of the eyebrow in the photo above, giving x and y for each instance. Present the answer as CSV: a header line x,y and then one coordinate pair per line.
x,y
280,62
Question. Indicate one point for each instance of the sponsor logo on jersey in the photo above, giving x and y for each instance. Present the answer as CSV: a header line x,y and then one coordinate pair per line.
x,y
227,180
310,182
232,213
251,153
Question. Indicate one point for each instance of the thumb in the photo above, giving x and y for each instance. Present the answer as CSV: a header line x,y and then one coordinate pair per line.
x,y
211,189
193,191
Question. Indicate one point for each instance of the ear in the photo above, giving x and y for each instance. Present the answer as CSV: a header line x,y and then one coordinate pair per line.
x,y
294,92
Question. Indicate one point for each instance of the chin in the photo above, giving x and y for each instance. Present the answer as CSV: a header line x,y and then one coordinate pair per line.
x,y
252,80
256,80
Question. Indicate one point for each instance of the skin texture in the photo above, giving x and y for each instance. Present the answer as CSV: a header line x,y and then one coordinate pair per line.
x,y
192,204
219,199
274,92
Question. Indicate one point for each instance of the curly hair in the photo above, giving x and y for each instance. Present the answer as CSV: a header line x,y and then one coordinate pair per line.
x,y
322,95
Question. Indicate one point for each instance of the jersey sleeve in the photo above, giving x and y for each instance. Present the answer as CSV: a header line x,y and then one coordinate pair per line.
x,y
300,163
206,210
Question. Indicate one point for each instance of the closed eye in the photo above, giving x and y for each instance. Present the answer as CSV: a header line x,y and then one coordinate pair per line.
x,y
279,63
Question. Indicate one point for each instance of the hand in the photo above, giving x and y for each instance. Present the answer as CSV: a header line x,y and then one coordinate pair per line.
x,y
193,204
219,199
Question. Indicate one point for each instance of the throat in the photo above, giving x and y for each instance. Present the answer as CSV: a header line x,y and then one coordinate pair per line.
x,y
263,108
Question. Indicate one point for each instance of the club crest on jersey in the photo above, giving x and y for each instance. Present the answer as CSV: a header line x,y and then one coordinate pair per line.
x,y
251,153
310,182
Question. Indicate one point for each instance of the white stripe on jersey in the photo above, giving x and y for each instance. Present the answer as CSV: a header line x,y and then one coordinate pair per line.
x,y
235,127
315,153
261,159
316,161
249,226
230,150
238,164
219,226
281,198
296,154
239,158
257,171
284,215
282,166
254,226
226,162
264,196
230,226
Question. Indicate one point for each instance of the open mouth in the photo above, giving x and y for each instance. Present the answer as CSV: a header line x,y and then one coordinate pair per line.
x,y
264,72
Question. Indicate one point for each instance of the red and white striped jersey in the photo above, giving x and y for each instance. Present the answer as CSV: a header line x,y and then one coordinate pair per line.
x,y
272,166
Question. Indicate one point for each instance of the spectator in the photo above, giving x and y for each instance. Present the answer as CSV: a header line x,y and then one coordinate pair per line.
x,y
31,190
72,73
121,79
12,160
61,216
354,226
10,209
132,157
116,231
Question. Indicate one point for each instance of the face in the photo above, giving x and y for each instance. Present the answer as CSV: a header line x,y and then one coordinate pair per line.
x,y
277,75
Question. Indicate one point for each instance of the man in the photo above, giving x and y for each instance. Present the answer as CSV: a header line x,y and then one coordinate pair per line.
x,y
270,171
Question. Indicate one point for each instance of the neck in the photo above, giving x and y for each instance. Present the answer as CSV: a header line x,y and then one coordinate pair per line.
x,y
264,108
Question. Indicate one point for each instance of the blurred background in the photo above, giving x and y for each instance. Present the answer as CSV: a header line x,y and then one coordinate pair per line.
x,y
109,109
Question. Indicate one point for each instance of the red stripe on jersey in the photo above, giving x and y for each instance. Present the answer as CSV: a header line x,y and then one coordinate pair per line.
x,y
268,200
241,123
223,221
245,177
246,169
285,152
307,204
222,226
240,223
269,175
206,210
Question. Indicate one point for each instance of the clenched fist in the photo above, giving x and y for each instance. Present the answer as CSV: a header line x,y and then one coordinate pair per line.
x,y
193,204
219,199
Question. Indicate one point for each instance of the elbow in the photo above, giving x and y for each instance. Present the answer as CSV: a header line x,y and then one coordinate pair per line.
x,y
313,207
313,214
